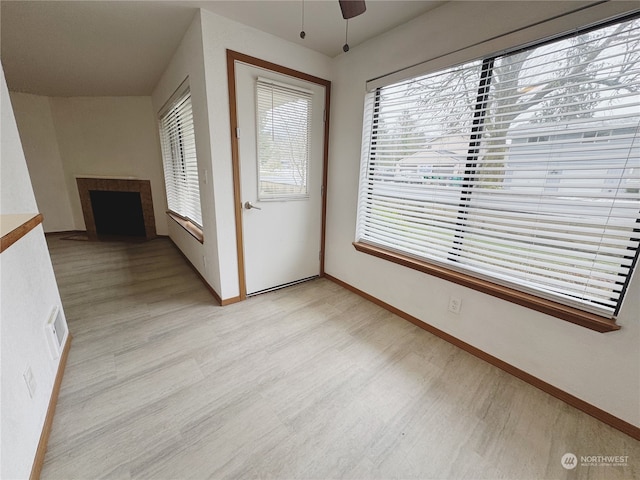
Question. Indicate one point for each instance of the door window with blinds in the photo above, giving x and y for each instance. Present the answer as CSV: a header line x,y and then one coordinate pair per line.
x,y
180,163
521,169
284,133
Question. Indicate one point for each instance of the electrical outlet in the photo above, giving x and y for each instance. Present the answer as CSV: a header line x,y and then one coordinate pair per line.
x,y
455,303
30,380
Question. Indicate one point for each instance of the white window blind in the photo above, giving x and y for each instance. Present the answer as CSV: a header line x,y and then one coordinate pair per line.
x,y
284,137
179,158
522,169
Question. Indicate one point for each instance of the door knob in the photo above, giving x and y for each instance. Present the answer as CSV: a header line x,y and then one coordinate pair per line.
x,y
249,206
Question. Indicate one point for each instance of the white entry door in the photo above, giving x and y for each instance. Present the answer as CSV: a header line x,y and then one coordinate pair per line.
x,y
281,143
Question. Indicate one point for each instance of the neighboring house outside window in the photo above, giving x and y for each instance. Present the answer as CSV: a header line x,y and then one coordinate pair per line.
x,y
519,171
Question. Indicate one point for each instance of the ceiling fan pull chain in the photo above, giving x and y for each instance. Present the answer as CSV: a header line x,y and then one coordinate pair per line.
x,y
345,47
302,32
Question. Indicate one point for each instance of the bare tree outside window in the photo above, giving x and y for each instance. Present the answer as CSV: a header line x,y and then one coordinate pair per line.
x,y
526,165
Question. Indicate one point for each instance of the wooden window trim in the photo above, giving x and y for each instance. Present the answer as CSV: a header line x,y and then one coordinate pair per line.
x,y
563,312
191,228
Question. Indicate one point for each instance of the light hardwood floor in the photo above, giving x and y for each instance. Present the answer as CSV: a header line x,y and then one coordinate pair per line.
x,y
307,382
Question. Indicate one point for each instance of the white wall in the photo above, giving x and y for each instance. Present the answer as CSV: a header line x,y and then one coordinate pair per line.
x,y
96,136
220,34
602,369
209,37
111,137
28,295
188,61
40,145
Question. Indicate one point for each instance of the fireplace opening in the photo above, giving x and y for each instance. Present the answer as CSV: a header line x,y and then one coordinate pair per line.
x,y
117,207
117,213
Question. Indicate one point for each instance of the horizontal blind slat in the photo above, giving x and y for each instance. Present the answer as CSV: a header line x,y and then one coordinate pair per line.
x,y
180,162
550,175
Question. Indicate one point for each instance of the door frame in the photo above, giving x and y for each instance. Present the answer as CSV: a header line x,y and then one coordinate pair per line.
x,y
232,58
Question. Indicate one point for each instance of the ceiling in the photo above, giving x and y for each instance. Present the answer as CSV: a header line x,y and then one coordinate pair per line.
x,y
323,22
104,48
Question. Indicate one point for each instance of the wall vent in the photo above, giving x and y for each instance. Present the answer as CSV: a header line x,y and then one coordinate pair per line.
x,y
56,331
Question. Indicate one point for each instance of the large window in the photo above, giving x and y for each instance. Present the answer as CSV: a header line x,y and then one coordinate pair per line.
x,y
179,157
521,170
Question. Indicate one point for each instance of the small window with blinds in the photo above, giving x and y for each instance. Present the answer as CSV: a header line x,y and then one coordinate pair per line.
x,y
521,170
180,163
283,136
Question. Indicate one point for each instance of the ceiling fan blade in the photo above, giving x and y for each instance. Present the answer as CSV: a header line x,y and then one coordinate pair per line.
x,y
352,8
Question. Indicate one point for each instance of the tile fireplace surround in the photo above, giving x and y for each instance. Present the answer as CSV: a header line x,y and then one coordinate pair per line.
x,y
86,185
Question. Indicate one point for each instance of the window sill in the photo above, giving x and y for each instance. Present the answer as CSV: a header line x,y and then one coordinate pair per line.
x,y
191,228
570,314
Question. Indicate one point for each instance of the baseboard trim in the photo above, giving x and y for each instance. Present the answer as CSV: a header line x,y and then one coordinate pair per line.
x,y
213,293
38,461
231,300
599,414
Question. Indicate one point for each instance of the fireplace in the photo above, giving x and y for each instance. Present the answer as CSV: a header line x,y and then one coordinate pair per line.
x,y
117,208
